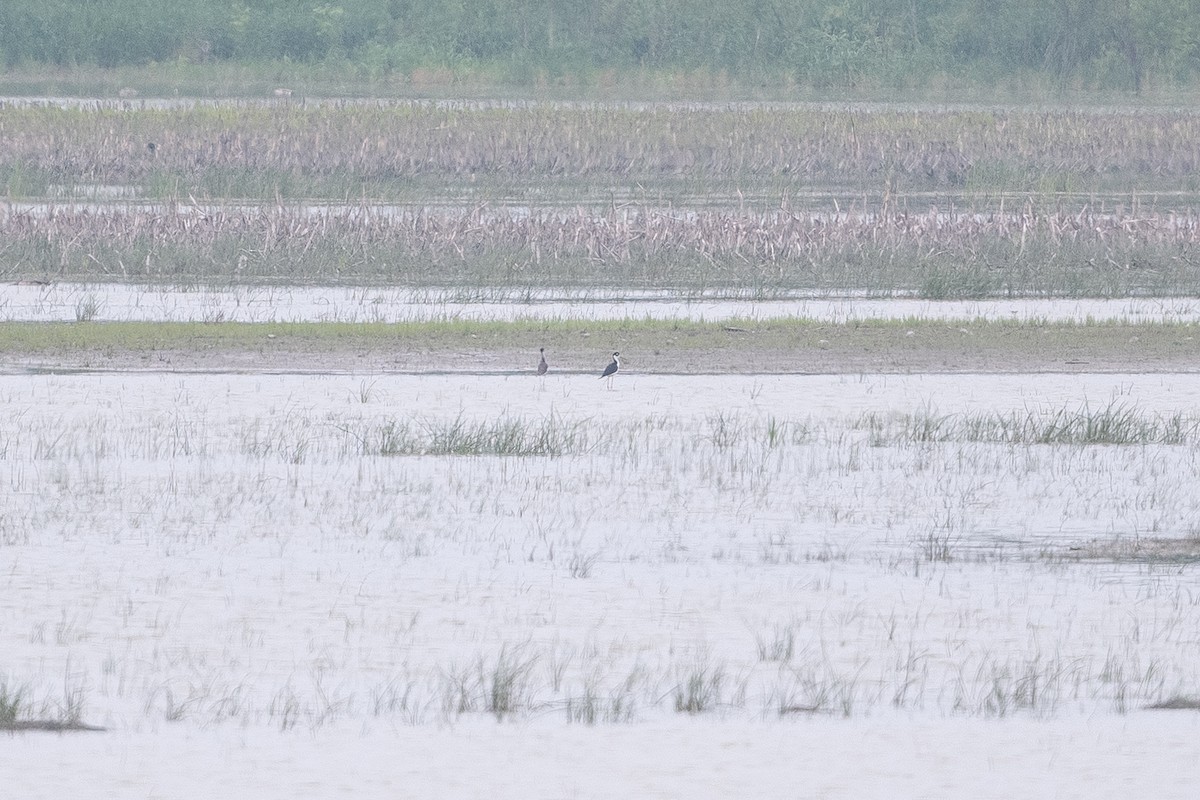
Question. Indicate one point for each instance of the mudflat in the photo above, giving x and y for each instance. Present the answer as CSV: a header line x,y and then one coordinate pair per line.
x,y
770,347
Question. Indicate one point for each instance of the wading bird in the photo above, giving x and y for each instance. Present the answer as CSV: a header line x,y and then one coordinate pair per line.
x,y
542,365
611,369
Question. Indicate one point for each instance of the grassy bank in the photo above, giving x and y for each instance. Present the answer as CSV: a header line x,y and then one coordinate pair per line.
x,y
744,346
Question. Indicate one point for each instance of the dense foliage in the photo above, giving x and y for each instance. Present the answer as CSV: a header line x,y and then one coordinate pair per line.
x,y
1110,44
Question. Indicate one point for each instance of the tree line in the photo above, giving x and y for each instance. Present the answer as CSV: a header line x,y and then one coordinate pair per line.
x,y
1101,44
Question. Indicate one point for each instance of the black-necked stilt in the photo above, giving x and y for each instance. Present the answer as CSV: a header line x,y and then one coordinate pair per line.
x,y
542,365
612,368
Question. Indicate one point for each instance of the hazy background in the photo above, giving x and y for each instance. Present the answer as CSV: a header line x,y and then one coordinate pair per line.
x,y
772,48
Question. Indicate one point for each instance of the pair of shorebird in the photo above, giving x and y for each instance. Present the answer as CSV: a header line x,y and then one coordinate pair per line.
x,y
609,371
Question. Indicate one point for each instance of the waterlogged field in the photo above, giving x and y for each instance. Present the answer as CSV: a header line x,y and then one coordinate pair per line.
x,y
893,497
683,586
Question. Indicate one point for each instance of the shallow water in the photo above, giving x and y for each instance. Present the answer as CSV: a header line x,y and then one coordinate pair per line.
x,y
1143,755
135,303
248,599
674,485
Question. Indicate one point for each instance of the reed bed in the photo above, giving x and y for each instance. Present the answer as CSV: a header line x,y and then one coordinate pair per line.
x,y
937,252
396,150
751,197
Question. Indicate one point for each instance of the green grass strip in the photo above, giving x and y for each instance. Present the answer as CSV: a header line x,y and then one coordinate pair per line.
x,y
668,334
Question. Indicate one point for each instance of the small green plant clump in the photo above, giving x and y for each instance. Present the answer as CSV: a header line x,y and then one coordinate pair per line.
x,y
1114,424
461,437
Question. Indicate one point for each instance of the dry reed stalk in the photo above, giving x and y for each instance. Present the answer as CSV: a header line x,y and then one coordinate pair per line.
x,y
610,234
881,248
854,148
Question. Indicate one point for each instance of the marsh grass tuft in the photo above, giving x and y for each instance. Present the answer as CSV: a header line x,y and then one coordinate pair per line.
x,y
506,681
593,705
19,713
699,689
366,391
500,686
582,564
549,436
1035,685
12,704
1114,424
725,430
777,432
585,708
87,308
818,689
780,646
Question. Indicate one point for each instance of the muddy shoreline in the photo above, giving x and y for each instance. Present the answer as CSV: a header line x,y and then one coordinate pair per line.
x,y
849,349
